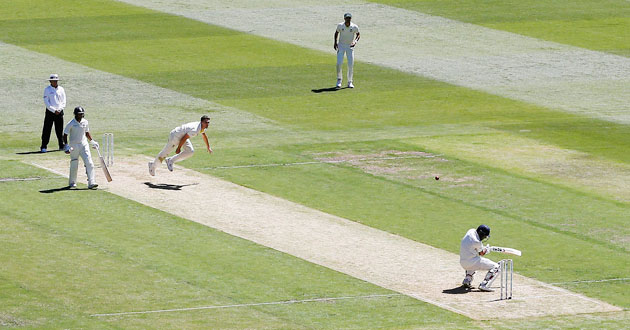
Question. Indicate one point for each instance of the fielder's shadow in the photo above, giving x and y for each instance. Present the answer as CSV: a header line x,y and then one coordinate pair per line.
x,y
166,186
458,290
35,152
329,89
54,190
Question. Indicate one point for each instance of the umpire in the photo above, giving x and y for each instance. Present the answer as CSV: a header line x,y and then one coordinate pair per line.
x,y
55,100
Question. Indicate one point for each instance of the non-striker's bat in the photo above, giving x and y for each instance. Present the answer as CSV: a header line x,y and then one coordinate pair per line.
x,y
103,166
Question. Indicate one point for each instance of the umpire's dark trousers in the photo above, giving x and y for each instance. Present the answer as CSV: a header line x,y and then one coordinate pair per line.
x,y
48,123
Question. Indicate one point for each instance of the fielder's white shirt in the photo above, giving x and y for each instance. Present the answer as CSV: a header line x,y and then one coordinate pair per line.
x,y
192,129
470,247
55,98
76,131
346,33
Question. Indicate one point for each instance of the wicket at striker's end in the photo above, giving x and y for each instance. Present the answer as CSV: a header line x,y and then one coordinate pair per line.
x,y
507,270
108,148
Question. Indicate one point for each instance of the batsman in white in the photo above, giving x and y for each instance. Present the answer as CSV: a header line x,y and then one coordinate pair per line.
x,y
180,137
349,35
79,132
471,258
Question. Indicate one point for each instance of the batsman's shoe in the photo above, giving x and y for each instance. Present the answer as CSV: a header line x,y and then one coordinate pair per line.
x,y
152,168
350,85
72,186
338,85
92,186
485,287
467,283
169,163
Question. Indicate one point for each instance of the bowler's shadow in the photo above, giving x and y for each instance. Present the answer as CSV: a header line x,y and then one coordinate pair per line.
x,y
54,190
166,186
35,152
459,290
329,89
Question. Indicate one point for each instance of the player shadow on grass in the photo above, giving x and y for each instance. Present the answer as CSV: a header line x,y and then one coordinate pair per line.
x,y
35,152
329,89
458,290
166,186
54,190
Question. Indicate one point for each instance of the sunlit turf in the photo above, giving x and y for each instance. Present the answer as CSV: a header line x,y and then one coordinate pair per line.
x,y
569,232
70,254
593,24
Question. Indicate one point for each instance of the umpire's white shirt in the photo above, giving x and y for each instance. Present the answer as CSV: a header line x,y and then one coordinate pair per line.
x,y
76,131
346,33
470,247
55,98
192,129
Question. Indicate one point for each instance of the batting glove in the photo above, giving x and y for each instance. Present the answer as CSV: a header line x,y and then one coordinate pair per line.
x,y
94,144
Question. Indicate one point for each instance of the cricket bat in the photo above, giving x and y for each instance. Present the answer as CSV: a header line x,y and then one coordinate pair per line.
x,y
505,250
103,166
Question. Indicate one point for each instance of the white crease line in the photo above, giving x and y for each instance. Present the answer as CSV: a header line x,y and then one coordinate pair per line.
x,y
593,281
19,179
49,169
285,302
313,162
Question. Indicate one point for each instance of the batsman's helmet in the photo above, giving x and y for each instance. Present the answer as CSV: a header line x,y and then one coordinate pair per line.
x,y
79,110
483,231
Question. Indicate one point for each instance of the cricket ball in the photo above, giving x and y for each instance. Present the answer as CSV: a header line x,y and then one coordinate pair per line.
x,y
437,178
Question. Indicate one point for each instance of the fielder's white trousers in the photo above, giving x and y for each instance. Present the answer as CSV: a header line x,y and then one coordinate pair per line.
x,y
83,150
477,263
173,141
349,52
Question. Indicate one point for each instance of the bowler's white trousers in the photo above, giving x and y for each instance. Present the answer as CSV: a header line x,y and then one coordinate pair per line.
x,y
173,141
349,52
83,150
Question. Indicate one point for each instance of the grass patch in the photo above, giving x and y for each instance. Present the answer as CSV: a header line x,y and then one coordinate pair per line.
x,y
592,24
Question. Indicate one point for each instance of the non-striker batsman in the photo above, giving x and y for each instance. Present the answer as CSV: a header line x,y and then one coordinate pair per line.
x,y
75,137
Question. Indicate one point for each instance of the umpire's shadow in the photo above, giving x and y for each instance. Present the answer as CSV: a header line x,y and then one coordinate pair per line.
x,y
459,290
329,89
166,186
35,152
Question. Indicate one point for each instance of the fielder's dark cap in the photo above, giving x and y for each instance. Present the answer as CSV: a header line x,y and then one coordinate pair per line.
x,y
347,15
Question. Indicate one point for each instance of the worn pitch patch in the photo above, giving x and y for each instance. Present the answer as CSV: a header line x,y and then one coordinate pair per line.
x,y
573,79
390,261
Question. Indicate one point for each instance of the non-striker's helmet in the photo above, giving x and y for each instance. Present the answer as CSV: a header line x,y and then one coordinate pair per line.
x,y
79,110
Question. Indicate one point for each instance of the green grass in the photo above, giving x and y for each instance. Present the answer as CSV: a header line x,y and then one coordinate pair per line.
x,y
598,25
92,252
69,254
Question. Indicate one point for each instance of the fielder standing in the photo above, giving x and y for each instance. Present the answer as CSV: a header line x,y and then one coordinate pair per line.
x,y
471,258
349,35
79,132
55,100
180,137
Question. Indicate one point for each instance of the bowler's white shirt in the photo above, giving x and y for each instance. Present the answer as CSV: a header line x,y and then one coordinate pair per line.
x,y
76,131
192,129
470,246
55,98
346,33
